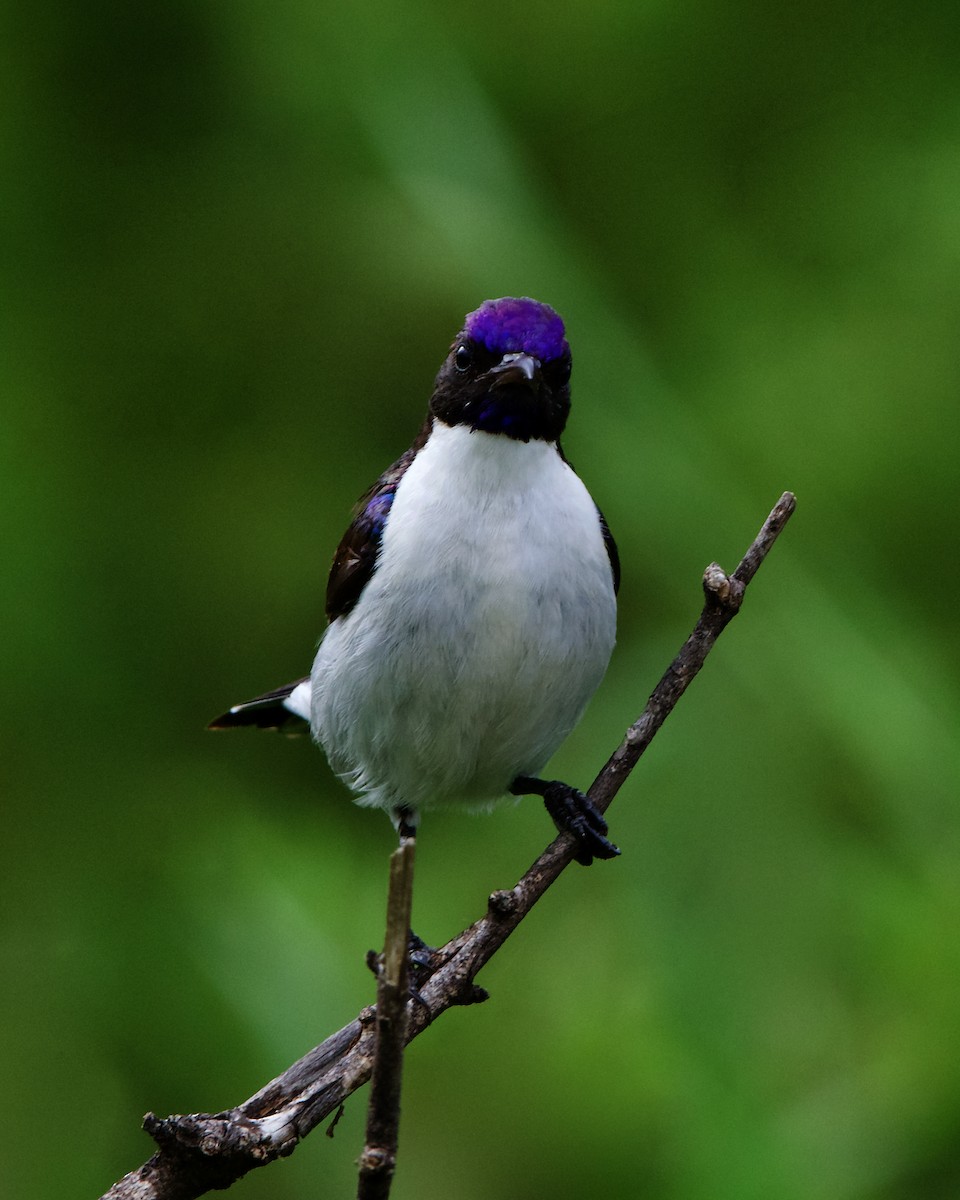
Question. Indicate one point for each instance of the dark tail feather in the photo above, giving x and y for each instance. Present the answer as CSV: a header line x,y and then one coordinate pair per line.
x,y
268,711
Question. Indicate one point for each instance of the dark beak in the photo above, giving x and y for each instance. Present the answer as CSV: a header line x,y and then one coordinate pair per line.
x,y
516,370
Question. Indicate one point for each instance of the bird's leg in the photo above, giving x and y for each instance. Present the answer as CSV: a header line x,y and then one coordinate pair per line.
x,y
420,956
405,820
419,953
405,823
571,812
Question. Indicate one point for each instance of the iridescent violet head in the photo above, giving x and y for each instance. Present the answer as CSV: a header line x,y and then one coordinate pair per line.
x,y
507,372
518,324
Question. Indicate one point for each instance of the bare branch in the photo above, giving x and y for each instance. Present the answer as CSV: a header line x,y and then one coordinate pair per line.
x,y
724,595
201,1152
379,1157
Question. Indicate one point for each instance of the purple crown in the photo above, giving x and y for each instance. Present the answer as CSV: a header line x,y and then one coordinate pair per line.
x,y
514,324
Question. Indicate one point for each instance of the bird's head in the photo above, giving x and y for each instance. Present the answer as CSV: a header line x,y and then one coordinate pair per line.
x,y
508,372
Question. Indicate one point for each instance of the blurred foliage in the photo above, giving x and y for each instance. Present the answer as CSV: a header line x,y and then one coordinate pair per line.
x,y
237,241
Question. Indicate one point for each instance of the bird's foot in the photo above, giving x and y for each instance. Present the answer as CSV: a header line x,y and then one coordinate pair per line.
x,y
572,812
420,956
421,963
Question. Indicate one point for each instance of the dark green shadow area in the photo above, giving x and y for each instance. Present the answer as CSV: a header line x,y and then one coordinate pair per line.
x,y
237,239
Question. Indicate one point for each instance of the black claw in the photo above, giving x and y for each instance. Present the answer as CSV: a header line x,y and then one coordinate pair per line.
x,y
419,954
572,812
420,959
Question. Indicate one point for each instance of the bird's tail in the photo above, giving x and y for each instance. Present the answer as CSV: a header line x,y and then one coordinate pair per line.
x,y
286,709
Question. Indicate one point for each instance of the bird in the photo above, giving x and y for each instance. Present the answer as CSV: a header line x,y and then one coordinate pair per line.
x,y
471,603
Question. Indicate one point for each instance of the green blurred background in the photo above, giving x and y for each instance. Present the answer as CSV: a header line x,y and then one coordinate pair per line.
x,y
237,241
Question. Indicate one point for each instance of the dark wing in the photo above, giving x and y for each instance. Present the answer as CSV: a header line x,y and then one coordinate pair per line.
x,y
266,712
612,553
356,555
353,565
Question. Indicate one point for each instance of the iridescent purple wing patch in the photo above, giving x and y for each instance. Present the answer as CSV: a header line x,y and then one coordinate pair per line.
x,y
514,324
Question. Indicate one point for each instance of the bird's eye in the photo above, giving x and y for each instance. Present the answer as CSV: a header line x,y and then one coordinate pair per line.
x,y
463,358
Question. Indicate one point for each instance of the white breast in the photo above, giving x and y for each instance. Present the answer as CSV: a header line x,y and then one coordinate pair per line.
x,y
484,631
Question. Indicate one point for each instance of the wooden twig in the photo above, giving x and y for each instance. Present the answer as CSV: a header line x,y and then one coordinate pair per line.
x,y
201,1152
379,1157
723,597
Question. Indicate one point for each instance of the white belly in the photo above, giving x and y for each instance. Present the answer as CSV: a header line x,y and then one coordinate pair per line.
x,y
482,634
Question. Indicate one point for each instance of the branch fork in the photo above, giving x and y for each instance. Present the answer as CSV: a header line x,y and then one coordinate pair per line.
x,y
199,1153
